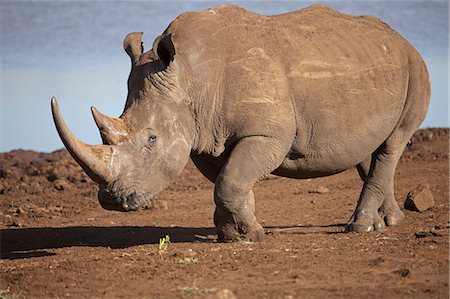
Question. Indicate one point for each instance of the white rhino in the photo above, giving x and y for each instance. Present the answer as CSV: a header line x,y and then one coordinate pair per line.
x,y
303,94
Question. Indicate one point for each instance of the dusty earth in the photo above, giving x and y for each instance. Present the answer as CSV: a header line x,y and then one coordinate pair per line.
x,y
56,240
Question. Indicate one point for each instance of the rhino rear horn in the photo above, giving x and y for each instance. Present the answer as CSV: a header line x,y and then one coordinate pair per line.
x,y
132,44
94,159
112,130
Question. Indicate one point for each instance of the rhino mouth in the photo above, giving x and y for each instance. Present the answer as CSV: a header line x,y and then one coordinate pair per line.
x,y
122,203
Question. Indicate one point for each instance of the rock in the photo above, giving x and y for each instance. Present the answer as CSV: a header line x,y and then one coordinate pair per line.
x,y
8,173
419,199
443,226
403,272
423,234
26,179
160,204
188,253
60,185
434,232
319,190
376,261
51,177
15,223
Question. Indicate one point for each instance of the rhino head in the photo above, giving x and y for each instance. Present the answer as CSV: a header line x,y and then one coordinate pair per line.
x,y
148,146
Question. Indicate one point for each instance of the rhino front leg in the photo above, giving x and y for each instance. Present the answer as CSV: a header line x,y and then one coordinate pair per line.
x,y
211,171
251,159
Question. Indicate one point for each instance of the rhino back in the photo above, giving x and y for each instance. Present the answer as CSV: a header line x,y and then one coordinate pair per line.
x,y
332,84
349,79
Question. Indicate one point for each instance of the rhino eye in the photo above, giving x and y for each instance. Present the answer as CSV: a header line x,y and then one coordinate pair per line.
x,y
151,139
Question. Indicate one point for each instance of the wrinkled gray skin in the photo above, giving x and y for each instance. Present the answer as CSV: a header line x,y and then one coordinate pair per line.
x,y
305,94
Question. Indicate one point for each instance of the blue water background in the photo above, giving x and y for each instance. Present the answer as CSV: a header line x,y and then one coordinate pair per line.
x,y
73,50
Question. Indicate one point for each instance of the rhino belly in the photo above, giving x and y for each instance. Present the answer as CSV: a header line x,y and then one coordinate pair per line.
x,y
300,166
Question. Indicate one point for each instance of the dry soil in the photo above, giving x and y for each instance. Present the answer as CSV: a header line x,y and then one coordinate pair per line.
x,y
56,240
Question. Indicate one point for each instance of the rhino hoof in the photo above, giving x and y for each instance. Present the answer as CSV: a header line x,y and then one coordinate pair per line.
x,y
393,217
366,224
230,234
254,236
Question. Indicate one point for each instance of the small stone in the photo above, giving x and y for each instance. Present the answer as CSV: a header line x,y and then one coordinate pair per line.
x,y
439,232
402,272
419,199
189,253
320,190
26,179
423,234
51,177
376,261
60,185
8,173
15,223
160,204
443,226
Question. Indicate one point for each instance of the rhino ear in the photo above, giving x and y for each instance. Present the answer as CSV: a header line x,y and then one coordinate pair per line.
x,y
132,44
163,48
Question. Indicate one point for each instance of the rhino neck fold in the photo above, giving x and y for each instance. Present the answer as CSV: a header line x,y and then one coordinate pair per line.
x,y
207,92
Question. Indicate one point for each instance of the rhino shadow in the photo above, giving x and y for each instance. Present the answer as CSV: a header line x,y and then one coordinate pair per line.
x,y
33,242
19,243
307,229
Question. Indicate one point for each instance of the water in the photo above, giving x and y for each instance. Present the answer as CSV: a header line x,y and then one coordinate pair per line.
x,y
73,50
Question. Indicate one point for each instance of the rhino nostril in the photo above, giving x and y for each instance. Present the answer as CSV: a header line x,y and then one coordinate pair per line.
x,y
108,201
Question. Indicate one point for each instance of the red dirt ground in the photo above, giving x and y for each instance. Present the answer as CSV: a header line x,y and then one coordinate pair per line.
x,y
56,240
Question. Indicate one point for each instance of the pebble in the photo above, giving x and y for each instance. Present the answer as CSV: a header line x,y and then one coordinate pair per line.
x,y
60,185
160,204
419,199
403,272
15,223
320,190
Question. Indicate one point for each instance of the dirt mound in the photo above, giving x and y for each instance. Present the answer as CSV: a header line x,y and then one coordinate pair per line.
x,y
45,184
56,240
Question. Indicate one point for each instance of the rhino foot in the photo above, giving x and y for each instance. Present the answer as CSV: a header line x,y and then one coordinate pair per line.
x,y
376,221
366,222
232,233
391,213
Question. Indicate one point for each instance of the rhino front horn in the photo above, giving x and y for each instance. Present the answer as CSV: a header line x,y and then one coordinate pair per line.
x,y
94,159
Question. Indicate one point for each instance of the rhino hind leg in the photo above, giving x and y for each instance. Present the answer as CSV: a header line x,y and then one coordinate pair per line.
x,y
377,195
389,211
249,161
376,205
377,202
